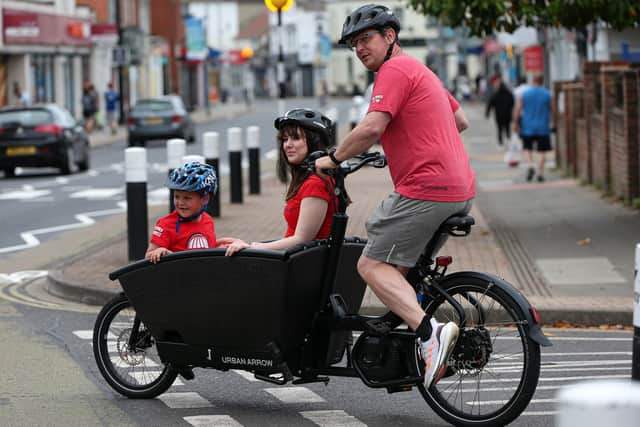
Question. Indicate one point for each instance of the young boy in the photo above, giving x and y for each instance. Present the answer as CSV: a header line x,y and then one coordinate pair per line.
x,y
188,226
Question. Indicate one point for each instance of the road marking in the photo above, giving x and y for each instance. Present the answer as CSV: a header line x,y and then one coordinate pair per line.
x,y
294,395
212,421
119,363
24,194
623,339
84,335
590,353
96,193
184,400
249,376
84,220
502,402
332,418
541,379
539,413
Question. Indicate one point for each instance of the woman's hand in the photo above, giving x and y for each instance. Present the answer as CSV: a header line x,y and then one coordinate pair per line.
x,y
232,244
155,254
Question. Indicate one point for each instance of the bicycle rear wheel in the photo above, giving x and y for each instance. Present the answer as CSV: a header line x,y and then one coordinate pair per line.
x,y
132,370
493,371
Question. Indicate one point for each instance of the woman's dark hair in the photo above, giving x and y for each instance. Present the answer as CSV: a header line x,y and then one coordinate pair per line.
x,y
296,173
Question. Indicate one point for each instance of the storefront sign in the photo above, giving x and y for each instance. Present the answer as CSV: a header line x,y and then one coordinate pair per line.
x,y
534,59
22,27
196,42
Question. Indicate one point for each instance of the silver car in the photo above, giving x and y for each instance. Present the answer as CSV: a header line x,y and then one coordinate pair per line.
x,y
159,118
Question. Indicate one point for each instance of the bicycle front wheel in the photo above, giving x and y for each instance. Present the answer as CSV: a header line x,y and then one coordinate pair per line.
x,y
133,370
493,370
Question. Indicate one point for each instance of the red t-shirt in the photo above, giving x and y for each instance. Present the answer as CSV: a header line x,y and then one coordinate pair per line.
x,y
314,186
427,160
192,234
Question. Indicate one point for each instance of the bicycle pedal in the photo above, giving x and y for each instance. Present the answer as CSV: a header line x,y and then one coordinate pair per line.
x,y
378,327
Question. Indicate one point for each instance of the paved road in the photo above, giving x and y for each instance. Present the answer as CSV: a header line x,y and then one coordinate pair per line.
x,y
64,331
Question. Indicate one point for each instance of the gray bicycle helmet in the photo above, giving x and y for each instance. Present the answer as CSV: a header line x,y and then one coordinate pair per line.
x,y
368,16
194,176
307,119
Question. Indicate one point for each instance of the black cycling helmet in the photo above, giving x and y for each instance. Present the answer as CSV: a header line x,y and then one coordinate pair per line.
x,y
308,119
368,16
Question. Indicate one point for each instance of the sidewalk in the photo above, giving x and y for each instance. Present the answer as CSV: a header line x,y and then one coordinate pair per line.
x,y
529,234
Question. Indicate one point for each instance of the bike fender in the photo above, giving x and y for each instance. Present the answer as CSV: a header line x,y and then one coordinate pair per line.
x,y
533,329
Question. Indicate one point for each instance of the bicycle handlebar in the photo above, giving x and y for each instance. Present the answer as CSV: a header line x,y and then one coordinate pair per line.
x,y
376,159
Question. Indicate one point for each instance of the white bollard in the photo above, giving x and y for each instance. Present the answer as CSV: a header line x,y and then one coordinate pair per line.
x,y
253,148
135,160
211,152
599,403
176,149
234,146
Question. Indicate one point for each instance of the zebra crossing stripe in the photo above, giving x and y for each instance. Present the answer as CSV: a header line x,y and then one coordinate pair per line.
x,y
249,376
332,418
294,395
141,376
84,335
212,421
185,400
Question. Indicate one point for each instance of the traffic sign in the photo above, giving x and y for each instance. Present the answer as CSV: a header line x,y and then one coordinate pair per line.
x,y
120,55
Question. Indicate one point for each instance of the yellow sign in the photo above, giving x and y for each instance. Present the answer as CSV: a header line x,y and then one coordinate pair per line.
x,y
275,5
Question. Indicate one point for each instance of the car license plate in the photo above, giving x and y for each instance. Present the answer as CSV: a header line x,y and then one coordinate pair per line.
x,y
21,151
153,121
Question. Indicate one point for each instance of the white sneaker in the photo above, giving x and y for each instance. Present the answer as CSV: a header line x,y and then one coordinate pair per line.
x,y
436,350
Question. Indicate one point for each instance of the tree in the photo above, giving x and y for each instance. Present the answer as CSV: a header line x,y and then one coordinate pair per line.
x,y
482,17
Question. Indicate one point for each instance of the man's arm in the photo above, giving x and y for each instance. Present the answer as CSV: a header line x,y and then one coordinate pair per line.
x,y
516,115
364,135
462,122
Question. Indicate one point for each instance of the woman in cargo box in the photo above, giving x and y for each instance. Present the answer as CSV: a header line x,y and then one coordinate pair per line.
x,y
310,200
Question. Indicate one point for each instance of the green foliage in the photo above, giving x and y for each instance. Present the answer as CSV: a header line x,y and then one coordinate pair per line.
x,y
484,16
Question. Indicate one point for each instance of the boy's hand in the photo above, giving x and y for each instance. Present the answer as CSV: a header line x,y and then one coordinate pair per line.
x,y
154,255
232,244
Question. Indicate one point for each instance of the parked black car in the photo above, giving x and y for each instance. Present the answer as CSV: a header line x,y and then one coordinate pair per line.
x,y
159,118
42,136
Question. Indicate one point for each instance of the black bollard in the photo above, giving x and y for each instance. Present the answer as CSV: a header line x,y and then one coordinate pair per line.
x,y
234,145
210,149
635,358
253,146
176,149
135,159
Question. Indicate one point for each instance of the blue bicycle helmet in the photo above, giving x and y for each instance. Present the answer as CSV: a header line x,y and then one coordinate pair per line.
x,y
195,177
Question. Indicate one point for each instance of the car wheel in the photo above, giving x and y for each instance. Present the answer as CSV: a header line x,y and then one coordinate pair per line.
x,y
9,172
84,164
69,165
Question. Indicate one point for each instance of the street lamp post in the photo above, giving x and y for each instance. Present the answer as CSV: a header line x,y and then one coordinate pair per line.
x,y
279,6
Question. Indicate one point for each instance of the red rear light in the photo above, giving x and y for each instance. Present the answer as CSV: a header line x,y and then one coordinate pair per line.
x,y
1,131
443,261
176,119
535,314
130,121
51,129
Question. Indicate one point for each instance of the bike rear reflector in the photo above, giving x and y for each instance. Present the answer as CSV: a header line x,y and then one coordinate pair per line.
x,y
443,261
535,314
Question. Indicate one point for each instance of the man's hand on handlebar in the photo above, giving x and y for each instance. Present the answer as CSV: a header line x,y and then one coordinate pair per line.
x,y
324,163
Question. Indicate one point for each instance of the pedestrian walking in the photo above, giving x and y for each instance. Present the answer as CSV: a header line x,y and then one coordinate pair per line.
x,y
501,102
89,107
111,99
23,99
531,119
414,117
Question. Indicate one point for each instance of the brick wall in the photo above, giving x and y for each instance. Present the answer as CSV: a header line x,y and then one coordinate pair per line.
x,y
572,110
623,135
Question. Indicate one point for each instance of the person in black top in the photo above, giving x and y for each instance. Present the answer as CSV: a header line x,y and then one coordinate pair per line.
x,y
502,103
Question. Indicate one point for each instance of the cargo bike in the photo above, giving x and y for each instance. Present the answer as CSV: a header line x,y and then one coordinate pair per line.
x,y
291,316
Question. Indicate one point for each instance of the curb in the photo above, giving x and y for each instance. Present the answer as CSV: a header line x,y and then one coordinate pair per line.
x,y
57,286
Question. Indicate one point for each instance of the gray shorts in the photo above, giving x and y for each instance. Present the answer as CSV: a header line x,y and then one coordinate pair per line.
x,y
399,229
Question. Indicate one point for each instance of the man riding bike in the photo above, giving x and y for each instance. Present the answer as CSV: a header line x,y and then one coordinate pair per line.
x,y
418,123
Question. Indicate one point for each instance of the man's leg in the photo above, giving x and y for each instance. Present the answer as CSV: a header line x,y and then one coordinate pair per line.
x,y
541,159
390,286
